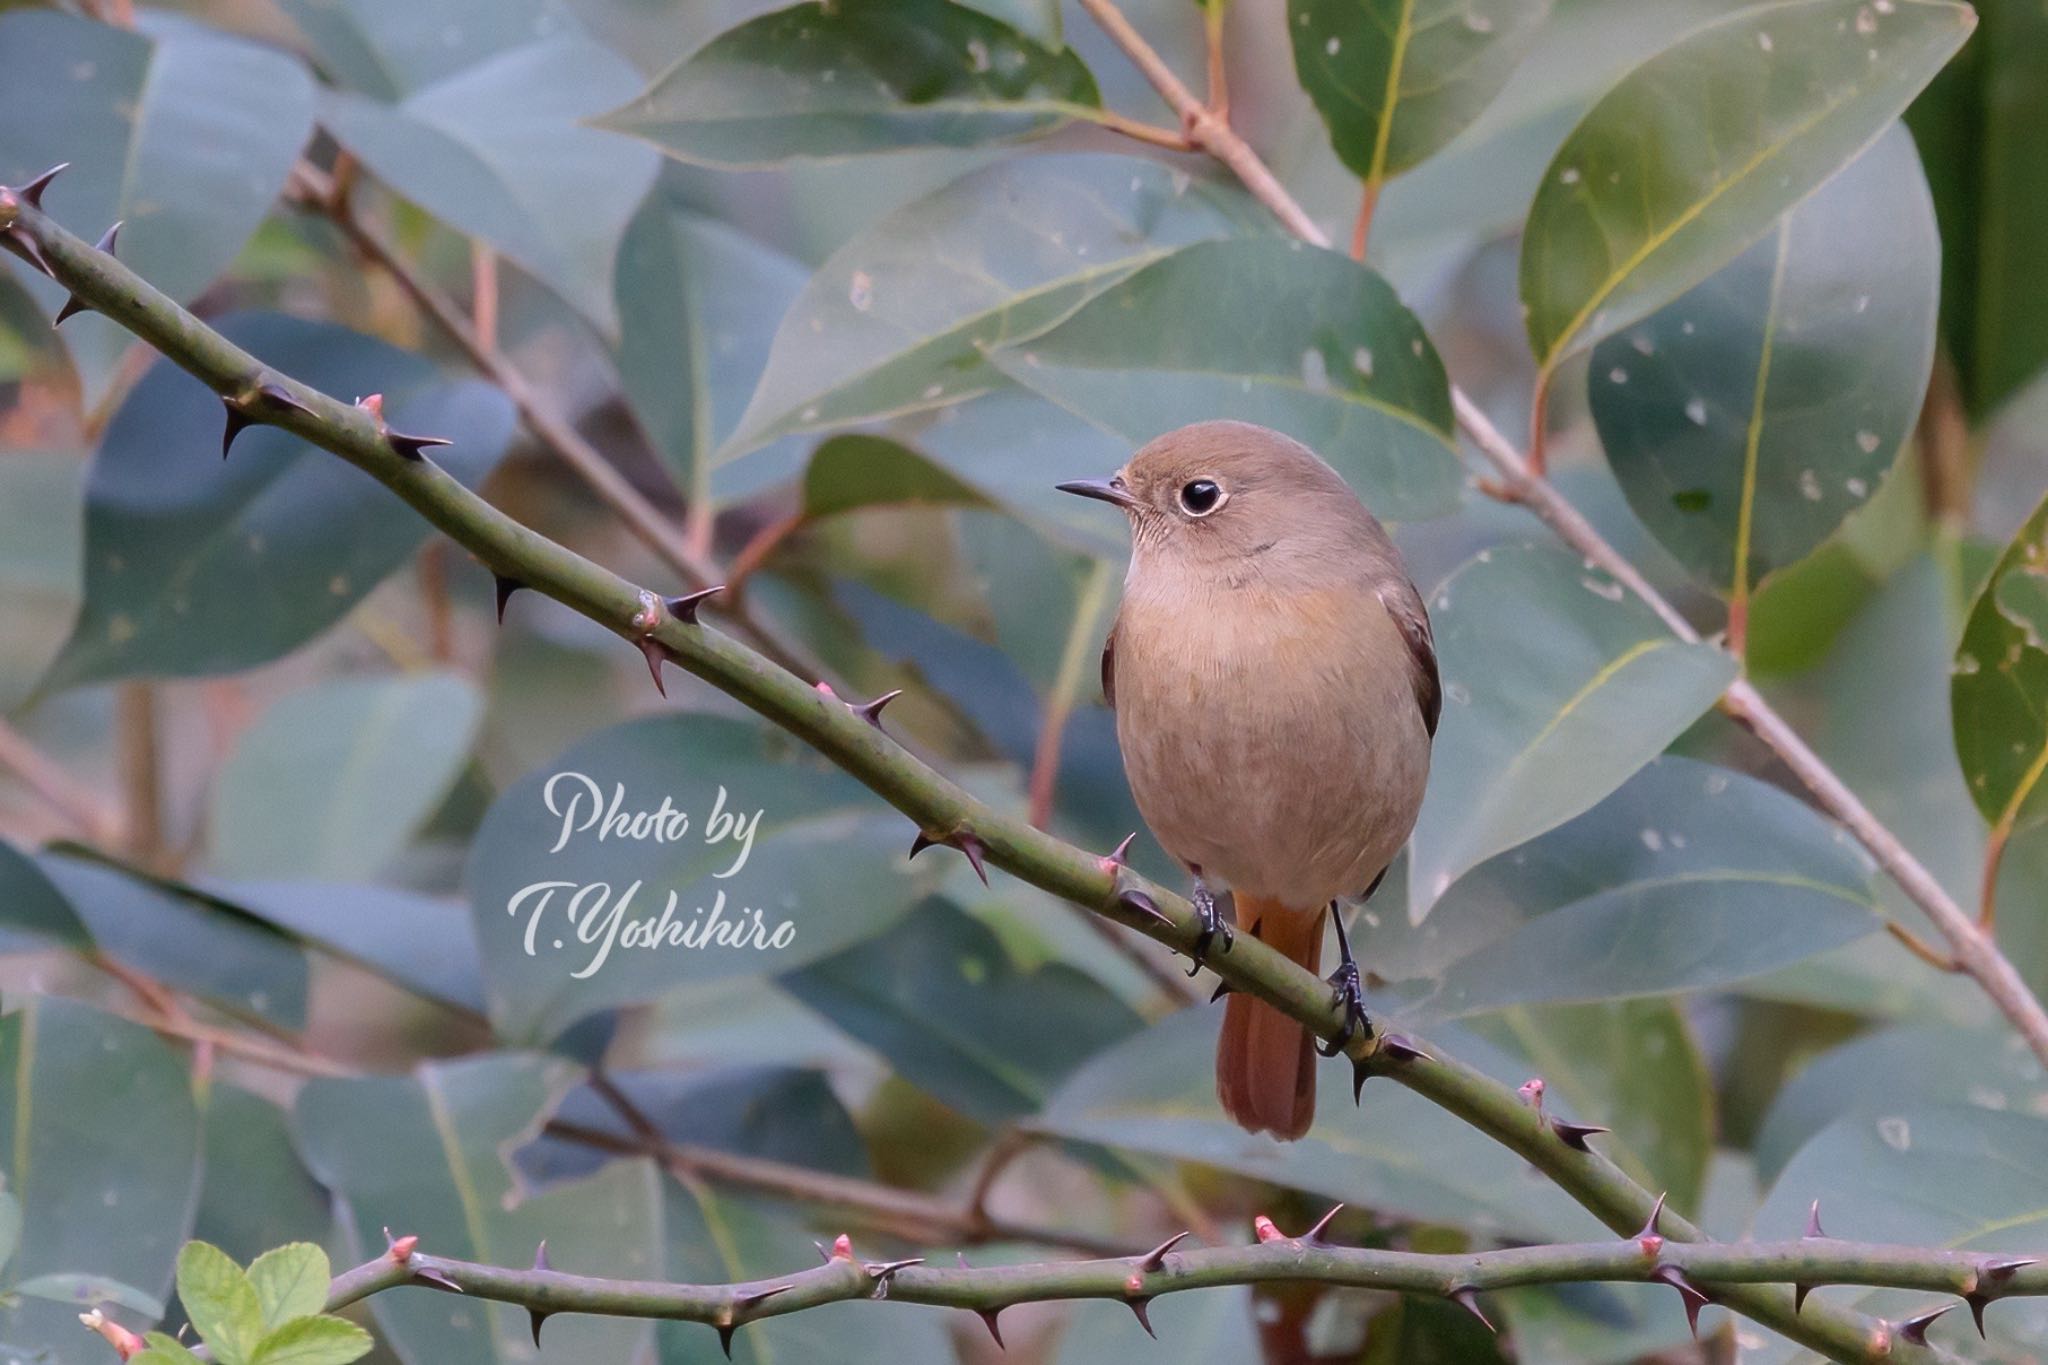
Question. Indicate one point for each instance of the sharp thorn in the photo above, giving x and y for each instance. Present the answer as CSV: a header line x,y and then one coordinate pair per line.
x,y
409,447
725,1331
436,1279
1401,1049
535,1318
988,1319
277,395
1360,1072
872,711
973,847
1914,1329
1467,1298
109,238
1813,1228
656,654
1223,988
920,844
28,249
1156,1257
32,192
1138,903
1650,1228
540,1256
1977,1303
684,608
884,1270
1687,1291
1122,852
1799,1293
1315,1234
71,309
506,587
758,1296
1574,1135
823,1254
237,423
1139,1309
1258,929
2003,1270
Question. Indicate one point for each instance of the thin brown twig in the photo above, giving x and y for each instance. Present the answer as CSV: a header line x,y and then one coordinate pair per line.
x,y
1976,953
665,538
141,771
1361,226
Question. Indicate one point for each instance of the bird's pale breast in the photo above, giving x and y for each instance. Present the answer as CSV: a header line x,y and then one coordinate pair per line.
x,y
1272,739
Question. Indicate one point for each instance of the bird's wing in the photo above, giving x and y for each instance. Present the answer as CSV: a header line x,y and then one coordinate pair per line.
x,y
1404,604
1109,668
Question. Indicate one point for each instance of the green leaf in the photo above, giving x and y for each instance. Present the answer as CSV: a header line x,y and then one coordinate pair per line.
x,y
428,1153
1911,1065
164,1350
221,1302
42,522
291,1282
948,1006
1400,1154
1923,1175
185,939
386,750
899,319
423,943
1748,418
1303,340
1539,725
1698,150
565,903
10,1227
1216,1327
496,142
183,133
2000,677
856,76
698,303
1635,1064
195,565
33,912
1688,877
850,472
1977,126
256,1193
1396,79
313,1341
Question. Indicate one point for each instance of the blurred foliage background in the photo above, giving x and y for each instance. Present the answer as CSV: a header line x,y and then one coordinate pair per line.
x,y
838,308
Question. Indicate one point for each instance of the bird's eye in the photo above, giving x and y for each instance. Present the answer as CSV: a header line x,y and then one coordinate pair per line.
x,y
1200,497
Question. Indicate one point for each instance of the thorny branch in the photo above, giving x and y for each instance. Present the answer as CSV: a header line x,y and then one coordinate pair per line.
x,y
668,631
1974,950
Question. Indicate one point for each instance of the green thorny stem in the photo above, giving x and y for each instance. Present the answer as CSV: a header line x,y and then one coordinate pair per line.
x,y
667,631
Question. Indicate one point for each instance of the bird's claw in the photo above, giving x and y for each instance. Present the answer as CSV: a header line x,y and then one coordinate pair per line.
x,y
1350,995
1213,925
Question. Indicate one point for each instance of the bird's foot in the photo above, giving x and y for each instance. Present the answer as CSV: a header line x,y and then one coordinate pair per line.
x,y
1211,920
1350,993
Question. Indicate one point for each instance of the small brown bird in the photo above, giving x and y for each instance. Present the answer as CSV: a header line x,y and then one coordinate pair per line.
x,y
1276,692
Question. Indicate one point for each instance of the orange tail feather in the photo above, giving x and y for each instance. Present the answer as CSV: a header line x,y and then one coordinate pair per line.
x,y
1265,1061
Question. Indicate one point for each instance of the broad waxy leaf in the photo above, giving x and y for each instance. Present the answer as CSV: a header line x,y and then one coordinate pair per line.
x,y
1698,150
1539,725
569,899
698,303
195,565
1978,126
33,912
900,318
424,943
428,1152
185,940
2000,676
1306,341
99,1140
850,472
1688,877
331,781
855,76
1156,1093
1923,1175
1396,79
42,525
257,1194
182,133
941,998
1749,417
488,131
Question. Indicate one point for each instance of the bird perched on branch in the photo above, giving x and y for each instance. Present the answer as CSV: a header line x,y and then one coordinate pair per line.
x,y
1276,693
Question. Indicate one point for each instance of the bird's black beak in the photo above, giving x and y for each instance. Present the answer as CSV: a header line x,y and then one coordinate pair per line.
x,y
1102,490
